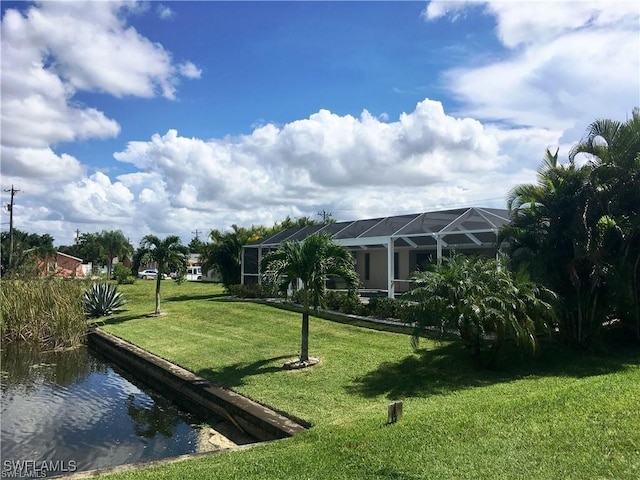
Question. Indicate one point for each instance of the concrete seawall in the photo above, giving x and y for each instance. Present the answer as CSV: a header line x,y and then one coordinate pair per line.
x,y
192,392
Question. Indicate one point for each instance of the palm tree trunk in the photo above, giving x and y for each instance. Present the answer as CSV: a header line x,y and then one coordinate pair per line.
x,y
635,304
109,265
304,347
158,280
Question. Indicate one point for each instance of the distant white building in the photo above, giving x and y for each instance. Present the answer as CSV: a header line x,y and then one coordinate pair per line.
x,y
194,271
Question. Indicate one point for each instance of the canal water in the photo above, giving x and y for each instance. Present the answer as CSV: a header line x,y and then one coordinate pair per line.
x,y
74,411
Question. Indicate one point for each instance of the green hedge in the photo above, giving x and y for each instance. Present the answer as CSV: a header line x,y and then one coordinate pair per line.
x,y
251,291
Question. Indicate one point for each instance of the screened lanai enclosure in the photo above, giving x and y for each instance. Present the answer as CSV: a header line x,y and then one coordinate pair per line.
x,y
388,250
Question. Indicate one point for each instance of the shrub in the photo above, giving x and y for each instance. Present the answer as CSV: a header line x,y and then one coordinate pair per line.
x,y
384,307
102,299
251,291
350,303
362,310
122,274
298,297
334,300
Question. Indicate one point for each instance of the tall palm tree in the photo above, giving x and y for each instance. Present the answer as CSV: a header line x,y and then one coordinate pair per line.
x,y
169,251
551,229
310,262
613,152
581,225
115,244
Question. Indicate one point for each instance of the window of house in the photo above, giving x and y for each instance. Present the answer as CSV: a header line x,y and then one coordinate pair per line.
x,y
367,266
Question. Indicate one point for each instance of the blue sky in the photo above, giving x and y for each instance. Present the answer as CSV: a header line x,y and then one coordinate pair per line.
x,y
169,117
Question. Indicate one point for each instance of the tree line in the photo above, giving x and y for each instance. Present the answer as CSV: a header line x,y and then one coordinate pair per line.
x,y
221,252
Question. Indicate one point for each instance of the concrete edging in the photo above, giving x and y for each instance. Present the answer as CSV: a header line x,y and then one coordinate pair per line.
x,y
193,392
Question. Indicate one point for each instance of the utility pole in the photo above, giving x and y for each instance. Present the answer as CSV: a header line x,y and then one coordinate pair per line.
x,y
77,235
325,216
10,208
196,233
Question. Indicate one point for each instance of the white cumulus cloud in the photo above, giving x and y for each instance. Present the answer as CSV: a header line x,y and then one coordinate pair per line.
x,y
351,166
53,50
564,61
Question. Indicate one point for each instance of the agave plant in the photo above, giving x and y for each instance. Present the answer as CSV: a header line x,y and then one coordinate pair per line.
x,y
102,299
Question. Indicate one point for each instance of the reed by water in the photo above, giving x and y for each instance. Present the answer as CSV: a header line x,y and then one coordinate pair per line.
x,y
43,311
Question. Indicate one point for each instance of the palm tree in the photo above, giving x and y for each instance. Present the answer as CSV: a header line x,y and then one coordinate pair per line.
x,y
223,254
483,301
169,251
310,262
552,233
613,150
115,244
580,226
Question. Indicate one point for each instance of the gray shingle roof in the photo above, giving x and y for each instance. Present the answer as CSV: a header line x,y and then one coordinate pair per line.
x,y
470,223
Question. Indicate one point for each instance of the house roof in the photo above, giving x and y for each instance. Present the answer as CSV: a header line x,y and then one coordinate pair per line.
x,y
472,225
69,256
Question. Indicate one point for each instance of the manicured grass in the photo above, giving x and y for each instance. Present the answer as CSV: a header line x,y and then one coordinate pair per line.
x,y
563,415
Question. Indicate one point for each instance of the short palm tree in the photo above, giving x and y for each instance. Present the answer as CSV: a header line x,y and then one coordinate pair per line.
x,y
169,251
484,301
310,262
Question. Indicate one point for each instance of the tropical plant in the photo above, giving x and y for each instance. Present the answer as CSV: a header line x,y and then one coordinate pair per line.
x,y
483,301
578,230
310,263
166,253
102,299
115,244
223,254
613,152
552,227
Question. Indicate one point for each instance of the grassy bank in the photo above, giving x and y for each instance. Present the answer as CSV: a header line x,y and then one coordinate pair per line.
x,y
561,416
42,311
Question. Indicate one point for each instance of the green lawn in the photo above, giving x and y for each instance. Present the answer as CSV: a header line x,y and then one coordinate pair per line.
x,y
563,415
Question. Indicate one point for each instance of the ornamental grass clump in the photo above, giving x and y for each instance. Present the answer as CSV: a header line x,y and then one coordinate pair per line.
x,y
43,311
102,299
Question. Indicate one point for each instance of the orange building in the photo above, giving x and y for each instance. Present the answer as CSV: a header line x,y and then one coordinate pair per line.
x,y
63,265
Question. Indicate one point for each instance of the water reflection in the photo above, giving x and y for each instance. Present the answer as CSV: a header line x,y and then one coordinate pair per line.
x,y
150,418
27,367
74,407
